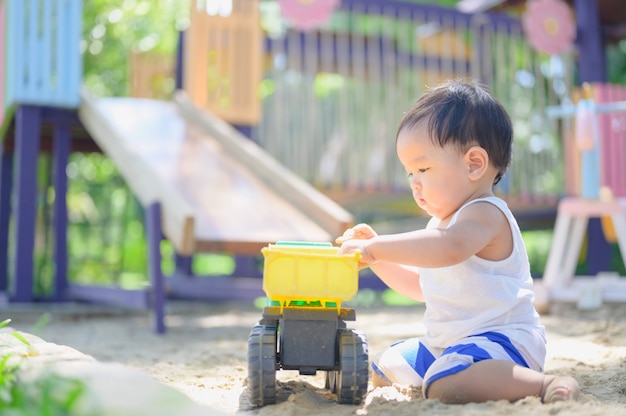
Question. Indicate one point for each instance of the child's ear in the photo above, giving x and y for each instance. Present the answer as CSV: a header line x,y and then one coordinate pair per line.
x,y
477,161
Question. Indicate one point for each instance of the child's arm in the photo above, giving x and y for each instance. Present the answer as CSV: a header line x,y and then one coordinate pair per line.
x,y
402,279
481,229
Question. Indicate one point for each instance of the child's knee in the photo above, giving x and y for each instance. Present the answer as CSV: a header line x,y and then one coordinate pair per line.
x,y
447,389
379,381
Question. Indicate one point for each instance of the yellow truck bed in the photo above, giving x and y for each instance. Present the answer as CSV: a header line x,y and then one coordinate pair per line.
x,y
309,272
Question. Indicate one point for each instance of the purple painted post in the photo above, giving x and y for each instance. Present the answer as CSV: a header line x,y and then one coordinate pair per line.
x,y
592,68
180,60
61,153
28,126
6,185
244,129
591,48
246,266
153,237
183,264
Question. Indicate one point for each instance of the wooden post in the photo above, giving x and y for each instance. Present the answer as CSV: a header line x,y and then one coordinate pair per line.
x,y
154,236
148,75
62,141
222,61
592,68
28,125
6,186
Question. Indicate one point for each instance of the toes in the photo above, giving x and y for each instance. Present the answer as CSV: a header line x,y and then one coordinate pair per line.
x,y
561,389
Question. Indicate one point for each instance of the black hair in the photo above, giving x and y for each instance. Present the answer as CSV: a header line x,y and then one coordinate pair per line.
x,y
464,113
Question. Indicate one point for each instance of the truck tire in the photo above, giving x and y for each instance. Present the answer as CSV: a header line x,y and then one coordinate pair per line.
x,y
350,381
262,365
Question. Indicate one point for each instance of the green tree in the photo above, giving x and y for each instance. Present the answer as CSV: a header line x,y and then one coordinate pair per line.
x,y
112,29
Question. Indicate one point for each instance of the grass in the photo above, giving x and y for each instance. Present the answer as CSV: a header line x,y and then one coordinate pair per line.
x,y
47,395
538,244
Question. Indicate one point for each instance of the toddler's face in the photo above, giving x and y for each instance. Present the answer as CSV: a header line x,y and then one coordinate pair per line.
x,y
438,176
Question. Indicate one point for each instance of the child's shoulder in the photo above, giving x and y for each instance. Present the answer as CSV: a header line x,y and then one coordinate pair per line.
x,y
487,204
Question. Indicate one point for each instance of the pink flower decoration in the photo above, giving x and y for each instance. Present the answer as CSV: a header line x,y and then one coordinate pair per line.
x,y
307,14
549,26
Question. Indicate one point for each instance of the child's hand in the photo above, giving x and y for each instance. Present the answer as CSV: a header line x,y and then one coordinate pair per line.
x,y
358,232
358,246
355,240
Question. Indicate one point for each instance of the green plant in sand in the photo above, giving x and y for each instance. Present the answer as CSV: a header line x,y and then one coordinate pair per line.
x,y
49,394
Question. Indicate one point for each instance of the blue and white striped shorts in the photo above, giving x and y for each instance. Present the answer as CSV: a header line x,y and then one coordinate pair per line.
x,y
414,362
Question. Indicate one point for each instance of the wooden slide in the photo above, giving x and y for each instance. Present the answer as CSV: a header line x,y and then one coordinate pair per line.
x,y
219,191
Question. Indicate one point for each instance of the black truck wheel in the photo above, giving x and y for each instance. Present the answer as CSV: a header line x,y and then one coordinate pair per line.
x,y
350,381
262,365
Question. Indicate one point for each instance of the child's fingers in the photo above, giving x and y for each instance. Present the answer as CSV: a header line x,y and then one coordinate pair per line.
x,y
363,232
347,235
361,265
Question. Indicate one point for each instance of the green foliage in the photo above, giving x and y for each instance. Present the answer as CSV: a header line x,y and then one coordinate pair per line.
x,y
616,60
4,323
537,246
112,29
47,395
106,234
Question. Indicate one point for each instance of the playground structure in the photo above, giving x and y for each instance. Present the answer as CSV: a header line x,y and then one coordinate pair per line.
x,y
372,61
304,326
598,171
345,85
203,185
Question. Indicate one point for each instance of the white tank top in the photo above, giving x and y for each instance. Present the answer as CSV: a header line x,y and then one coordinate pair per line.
x,y
480,295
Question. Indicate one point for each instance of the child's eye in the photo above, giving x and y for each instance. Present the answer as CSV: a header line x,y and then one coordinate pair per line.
x,y
409,175
422,170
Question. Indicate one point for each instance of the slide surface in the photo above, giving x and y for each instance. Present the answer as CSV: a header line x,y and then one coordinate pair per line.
x,y
218,191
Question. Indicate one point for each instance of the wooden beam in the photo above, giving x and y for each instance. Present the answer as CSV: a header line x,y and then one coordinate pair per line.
x,y
321,209
178,216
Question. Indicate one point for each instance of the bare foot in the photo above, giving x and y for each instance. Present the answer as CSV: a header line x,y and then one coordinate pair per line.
x,y
557,389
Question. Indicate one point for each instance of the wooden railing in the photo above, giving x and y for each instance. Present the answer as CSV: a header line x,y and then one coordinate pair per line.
x,y
332,96
222,59
612,126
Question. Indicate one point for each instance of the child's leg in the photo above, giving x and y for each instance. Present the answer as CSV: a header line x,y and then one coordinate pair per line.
x,y
379,381
501,380
403,363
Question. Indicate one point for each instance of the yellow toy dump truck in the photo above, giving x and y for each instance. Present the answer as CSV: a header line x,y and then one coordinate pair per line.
x,y
304,326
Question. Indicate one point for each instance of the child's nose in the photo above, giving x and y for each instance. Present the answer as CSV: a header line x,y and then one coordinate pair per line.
x,y
414,183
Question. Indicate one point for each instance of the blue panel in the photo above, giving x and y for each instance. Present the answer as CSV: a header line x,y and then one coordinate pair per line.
x,y
44,64
31,61
590,177
46,74
75,78
12,47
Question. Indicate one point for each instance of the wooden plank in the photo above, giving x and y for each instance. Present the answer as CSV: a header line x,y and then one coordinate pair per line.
x,y
134,299
194,81
141,176
331,216
612,290
236,210
222,61
147,74
212,198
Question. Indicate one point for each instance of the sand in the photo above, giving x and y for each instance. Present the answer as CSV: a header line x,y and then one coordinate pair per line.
x,y
204,356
